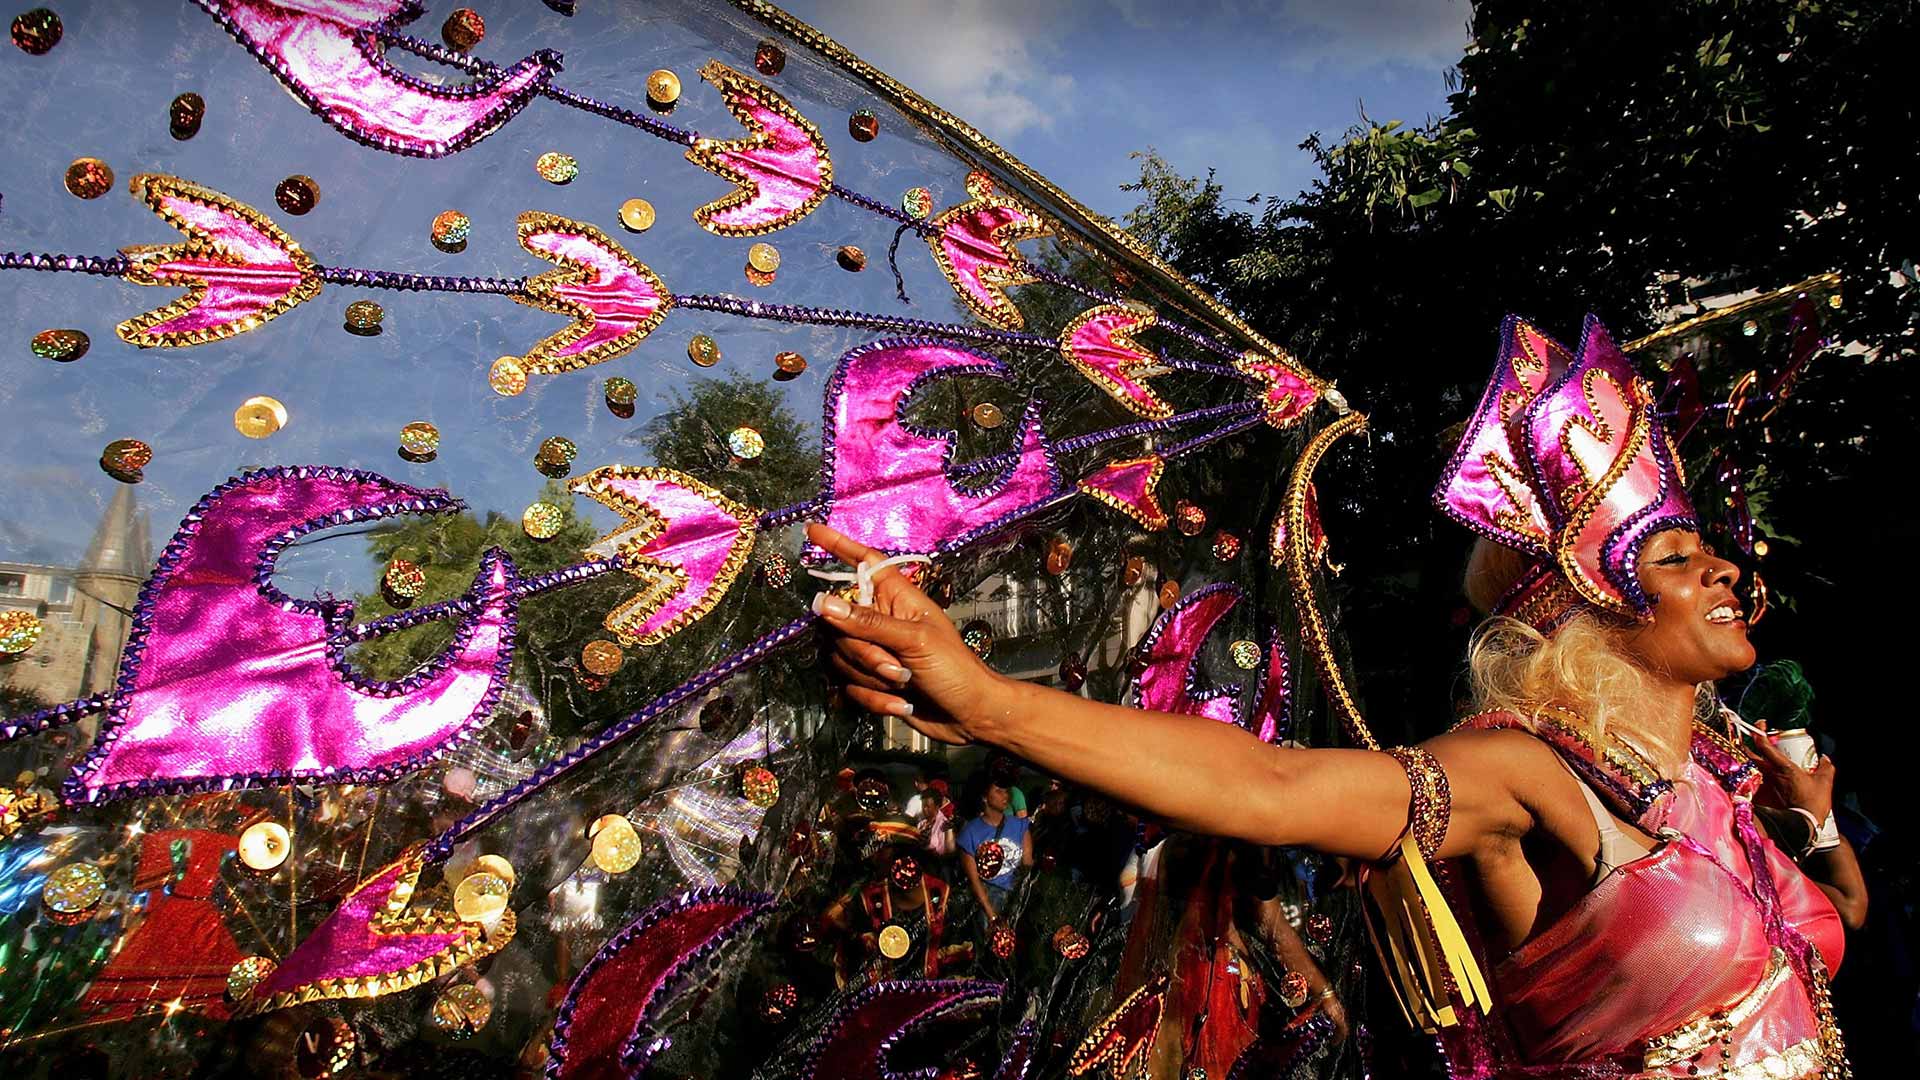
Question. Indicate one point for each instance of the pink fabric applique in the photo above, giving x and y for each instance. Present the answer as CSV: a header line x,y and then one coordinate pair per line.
x,y
614,299
685,541
1286,392
781,167
888,484
1131,487
371,945
227,681
238,268
1170,652
973,243
329,54
601,1031
1100,342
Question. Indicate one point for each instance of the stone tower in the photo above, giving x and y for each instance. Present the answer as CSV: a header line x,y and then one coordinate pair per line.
x,y
107,584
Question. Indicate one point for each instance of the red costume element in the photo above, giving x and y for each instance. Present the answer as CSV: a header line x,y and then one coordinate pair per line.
x,y
182,950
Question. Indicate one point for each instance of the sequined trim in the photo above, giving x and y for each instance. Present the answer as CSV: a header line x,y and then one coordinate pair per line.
x,y
1298,559
710,154
1432,807
154,189
1122,1042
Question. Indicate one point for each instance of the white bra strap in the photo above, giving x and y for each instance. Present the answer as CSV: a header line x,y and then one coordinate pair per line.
x,y
862,575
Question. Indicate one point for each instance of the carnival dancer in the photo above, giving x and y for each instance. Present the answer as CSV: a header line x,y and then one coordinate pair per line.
x,y
1593,821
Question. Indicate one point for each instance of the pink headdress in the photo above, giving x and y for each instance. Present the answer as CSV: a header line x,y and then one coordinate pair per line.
x,y
1566,461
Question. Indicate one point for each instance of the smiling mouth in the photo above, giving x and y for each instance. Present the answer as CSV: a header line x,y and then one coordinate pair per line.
x,y
1725,614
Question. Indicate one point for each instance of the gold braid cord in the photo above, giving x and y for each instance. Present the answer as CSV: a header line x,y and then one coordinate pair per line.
x,y
1065,205
1817,281
1299,563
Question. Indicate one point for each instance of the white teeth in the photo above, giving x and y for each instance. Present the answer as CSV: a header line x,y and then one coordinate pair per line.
x,y
1725,613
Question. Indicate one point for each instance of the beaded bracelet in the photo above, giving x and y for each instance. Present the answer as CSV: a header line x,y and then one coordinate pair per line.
x,y
1432,806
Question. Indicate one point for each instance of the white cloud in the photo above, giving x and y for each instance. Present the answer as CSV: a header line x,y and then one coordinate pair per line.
x,y
994,63
1363,33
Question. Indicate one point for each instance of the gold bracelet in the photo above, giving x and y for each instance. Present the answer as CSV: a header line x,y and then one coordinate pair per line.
x,y
1432,806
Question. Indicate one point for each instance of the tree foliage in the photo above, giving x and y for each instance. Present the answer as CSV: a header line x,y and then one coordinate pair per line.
x,y
689,436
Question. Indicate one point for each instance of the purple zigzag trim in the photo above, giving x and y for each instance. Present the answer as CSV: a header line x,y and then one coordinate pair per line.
x,y
1303,1037
1190,683
1179,330
518,587
442,845
61,715
393,279
113,266
956,994
759,309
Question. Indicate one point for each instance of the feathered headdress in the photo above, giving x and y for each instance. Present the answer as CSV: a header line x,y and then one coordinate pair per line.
x,y
1567,462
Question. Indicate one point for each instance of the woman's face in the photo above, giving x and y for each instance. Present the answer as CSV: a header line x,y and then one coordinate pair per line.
x,y
1698,632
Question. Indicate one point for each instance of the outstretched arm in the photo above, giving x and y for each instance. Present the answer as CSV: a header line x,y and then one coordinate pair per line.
x,y
903,657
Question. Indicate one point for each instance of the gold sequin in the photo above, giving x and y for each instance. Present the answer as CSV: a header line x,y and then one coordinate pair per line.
x,y
297,194
497,865
1246,654
602,657
403,582
556,168
481,897
917,202
19,630
790,363
637,215
65,346
759,786
450,230
769,58
73,891
1189,518
542,521
851,259
184,115
507,377
463,29
126,455
663,88
364,317
616,844
248,973
759,278
265,845
1059,556
863,125
259,416
89,178
745,443
764,257
894,941
703,350
462,1011
988,415
420,439
621,391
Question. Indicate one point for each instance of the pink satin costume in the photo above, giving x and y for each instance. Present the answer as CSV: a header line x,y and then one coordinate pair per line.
x,y
1682,962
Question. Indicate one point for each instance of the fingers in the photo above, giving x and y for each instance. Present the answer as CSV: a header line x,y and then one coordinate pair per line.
x,y
878,701
843,547
854,675
873,658
1770,753
903,637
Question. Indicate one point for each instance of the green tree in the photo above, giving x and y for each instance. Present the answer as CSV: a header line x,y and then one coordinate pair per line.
x,y
691,437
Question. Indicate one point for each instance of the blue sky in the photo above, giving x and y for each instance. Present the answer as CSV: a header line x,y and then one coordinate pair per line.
x,y
1073,87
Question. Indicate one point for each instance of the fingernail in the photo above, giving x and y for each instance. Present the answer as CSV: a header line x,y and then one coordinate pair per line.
x,y
896,673
901,708
825,603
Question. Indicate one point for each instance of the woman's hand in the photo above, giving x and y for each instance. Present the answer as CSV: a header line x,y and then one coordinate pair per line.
x,y
1791,785
902,656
